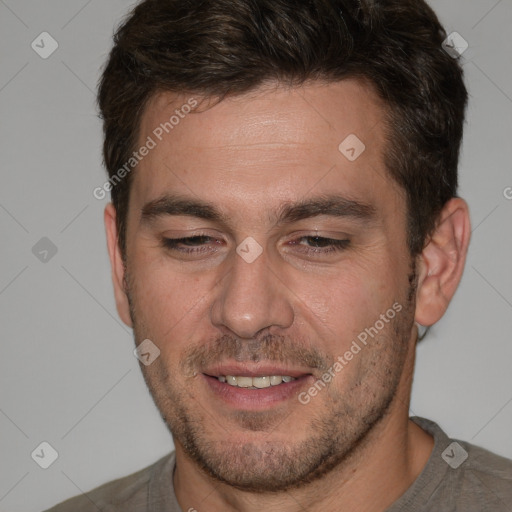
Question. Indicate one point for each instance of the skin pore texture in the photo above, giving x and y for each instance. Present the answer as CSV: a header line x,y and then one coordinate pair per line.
x,y
293,310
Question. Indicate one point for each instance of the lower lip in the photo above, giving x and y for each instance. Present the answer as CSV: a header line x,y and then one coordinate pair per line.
x,y
256,399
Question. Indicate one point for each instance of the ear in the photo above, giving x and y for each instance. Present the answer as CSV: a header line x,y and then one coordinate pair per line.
x,y
117,265
442,261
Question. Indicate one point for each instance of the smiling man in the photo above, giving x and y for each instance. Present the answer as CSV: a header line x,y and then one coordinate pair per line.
x,y
284,217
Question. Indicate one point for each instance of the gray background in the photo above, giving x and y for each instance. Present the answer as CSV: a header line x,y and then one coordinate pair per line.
x,y
68,375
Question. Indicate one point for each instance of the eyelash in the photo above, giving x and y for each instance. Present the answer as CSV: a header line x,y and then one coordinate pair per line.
x,y
333,244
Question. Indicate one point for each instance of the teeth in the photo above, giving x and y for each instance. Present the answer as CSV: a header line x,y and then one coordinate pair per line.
x,y
255,382
244,382
261,382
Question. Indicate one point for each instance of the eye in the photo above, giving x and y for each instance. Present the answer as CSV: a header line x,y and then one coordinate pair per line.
x,y
190,245
320,245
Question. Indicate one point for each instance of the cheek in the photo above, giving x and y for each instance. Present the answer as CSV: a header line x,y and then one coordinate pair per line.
x,y
340,306
168,302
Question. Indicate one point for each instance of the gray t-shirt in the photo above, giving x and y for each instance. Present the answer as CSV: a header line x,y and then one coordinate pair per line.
x,y
458,477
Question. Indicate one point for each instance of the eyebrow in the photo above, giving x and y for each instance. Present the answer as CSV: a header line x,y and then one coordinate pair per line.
x,y
328,205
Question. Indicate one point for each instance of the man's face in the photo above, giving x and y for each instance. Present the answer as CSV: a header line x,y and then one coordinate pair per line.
x,y
290,302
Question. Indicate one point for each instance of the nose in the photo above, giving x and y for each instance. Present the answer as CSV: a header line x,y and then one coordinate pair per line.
x,y
251,298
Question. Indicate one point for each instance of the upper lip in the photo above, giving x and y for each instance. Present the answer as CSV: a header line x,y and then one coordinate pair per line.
x,y
254,370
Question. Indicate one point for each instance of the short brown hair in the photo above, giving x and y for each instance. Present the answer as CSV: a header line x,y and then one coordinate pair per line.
x,y
216,48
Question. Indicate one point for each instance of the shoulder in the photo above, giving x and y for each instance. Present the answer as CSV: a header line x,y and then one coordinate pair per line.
x,y
463,476
129,492
486,477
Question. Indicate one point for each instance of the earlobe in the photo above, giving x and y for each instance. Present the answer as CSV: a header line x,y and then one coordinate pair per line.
x,y
117,265
442,261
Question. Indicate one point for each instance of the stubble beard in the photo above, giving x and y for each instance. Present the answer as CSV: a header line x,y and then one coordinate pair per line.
x,y
329,437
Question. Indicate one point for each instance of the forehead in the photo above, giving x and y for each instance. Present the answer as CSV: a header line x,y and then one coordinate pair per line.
x,y
274,144
273,114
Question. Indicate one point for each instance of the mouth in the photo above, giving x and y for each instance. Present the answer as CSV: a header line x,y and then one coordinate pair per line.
x,y
253,388
265,381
